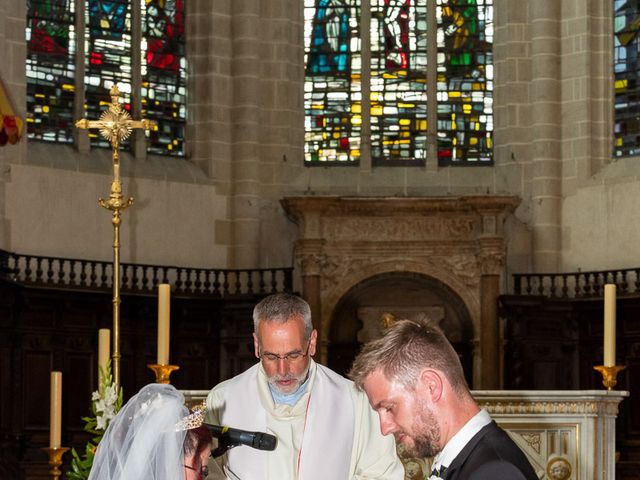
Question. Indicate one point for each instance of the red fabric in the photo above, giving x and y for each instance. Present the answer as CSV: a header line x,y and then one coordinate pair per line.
x,y
9,130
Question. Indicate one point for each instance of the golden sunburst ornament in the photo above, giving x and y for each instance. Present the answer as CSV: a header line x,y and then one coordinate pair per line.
x,y
115,125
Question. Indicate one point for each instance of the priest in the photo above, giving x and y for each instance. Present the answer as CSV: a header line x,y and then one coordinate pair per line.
x,y
324,426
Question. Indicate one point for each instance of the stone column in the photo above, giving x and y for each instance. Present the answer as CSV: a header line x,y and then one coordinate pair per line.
x,y
310,260
491,265
246,28
546,129
311,292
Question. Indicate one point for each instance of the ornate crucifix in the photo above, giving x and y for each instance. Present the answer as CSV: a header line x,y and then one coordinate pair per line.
x,y
115,125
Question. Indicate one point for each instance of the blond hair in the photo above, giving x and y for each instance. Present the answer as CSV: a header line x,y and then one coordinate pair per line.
x,y
405,350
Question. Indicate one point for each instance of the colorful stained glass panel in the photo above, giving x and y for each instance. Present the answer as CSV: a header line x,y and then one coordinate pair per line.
x,y
465,81
398,81
50,70
332,89
164,73
108,58
626,46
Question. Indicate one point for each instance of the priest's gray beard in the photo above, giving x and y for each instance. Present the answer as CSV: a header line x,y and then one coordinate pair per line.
x,y
426,434
298,381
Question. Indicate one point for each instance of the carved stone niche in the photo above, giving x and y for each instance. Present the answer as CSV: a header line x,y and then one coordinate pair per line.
x,y
343,241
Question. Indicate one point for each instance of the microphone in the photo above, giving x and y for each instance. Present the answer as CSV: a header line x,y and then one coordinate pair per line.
x,y
233,437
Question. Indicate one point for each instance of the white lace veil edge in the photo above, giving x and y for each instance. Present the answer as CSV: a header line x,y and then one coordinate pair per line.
x,y
141,441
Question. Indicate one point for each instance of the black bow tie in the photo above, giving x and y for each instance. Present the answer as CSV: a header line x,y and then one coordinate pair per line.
x,y
439,472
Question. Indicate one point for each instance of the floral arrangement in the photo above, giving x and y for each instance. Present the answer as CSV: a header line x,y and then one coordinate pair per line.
x,y
105,403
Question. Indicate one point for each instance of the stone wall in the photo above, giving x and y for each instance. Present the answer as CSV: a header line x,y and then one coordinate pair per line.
x,y
553,143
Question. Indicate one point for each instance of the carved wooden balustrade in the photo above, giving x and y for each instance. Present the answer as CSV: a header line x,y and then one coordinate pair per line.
x,y
67,273
576,284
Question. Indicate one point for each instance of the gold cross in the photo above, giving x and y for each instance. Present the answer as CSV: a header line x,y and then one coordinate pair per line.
x,y
115,125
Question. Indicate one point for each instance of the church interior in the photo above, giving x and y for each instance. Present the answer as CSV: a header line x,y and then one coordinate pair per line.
x,y
473,162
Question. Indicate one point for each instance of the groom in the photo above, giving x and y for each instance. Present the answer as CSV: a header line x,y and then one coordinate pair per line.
x,y
414,380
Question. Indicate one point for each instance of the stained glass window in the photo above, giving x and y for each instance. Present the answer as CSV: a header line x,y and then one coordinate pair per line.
x,y
108,46
164,74
395,69
398,80
465,81
50,70
108,58
627,72
332,90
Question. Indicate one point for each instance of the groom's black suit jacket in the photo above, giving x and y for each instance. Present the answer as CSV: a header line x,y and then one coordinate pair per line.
x,y
490,455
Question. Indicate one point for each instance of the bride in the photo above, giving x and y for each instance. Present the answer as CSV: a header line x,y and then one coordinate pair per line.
x,y
153,437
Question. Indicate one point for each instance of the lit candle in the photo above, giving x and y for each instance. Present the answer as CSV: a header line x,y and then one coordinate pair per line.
x,y
164,295
56,410
104,350
609,325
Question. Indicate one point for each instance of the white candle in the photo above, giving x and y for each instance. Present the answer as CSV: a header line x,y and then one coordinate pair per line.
x,y
104,350
609,325
55,428
164,298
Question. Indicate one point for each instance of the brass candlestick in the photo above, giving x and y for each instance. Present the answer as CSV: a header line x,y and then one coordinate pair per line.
x,y
55,460
609,374
115,125
163,372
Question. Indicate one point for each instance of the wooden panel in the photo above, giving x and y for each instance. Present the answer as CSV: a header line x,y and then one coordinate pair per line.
x,y
42,330
36,389
564,358
78,381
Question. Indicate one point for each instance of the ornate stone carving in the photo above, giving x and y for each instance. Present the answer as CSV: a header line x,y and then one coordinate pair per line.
x,y
402,229
533,440
312,263
445,238
491,263
462,266
335,268
559,407
489,225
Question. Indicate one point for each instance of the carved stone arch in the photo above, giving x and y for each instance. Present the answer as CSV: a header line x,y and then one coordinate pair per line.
x,y
459,241
358,315
336,287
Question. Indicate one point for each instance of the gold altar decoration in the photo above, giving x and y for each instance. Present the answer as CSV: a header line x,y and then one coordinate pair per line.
x,y
162,372
609,374
558,468
55,460
387,320
115,125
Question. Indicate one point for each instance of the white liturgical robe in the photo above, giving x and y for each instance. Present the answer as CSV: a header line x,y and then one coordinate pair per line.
x,y
331,432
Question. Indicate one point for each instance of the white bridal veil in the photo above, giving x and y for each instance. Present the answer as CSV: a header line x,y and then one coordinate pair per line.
x,y
141,442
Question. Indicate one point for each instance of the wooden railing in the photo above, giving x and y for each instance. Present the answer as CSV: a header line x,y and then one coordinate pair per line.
x,y
576,284
67,273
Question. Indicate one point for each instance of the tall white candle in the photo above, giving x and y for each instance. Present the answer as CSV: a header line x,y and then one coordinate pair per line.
x,y
104,349
609,325
55,428
164,300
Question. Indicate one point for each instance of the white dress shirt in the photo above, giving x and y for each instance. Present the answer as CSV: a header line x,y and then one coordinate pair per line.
x,y
460,439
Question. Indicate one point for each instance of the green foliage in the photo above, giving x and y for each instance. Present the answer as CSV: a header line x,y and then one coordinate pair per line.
x,y
105,403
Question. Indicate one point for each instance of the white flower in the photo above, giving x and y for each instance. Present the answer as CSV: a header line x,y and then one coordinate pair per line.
x,y
101,422
110,395
105,405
